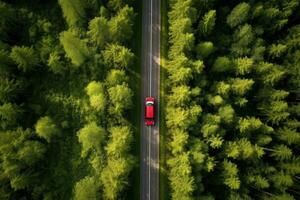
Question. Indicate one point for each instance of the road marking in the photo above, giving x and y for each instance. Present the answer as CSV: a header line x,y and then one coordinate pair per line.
x,y
150,46
150,95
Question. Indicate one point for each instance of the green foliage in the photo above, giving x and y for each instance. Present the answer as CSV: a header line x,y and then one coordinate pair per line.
x,y
116,77
120,97
207,23
120,26
282,152
25,58
99,31
55,63
230,175
114,176
8,89
91,138
117,56
241,86
238,15
46,128
86,188
248,92
9,114
204,49
73,11
95,91
182,183
75,48
120,140
222,64
243,65
20,154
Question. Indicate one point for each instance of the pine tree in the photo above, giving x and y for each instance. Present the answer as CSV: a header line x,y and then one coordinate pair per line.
x,y
118,56
120,26
73,11
238,15
207,23
91,138
230,175
46,128
120,97
9,115
116,77
25,58
75,48
86,188
204,49
241,86
181,181
119,143
222,64
99,31
243,65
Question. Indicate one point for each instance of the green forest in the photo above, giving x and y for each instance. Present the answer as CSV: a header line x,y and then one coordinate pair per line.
x,y
70,87
233,91
65,99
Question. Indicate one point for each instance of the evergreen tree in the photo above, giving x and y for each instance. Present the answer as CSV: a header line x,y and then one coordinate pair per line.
x,y
238,15
207,23
75,48
73,11
25,58
46,128
99,31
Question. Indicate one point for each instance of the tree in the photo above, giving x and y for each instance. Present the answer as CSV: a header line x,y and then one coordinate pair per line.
x,y
75,48
181,96
207,23
73,11
222,64
9,114
242,38
55,63
243,65
99,31
120,96
119,143
91,138
24,57
117,56
238,15
46,128
8,89
20,153
227,114
180,177
86,188
230,175
241,86
96,92
114,176
120,26
116,77
204,49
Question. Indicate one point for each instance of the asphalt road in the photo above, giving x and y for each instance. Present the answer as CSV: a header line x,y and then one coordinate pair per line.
x,y
150,87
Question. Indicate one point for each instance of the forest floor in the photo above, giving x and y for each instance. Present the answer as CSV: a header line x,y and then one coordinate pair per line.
x,y
163,189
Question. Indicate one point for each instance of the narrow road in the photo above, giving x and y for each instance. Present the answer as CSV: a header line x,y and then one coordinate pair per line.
x,y
150,87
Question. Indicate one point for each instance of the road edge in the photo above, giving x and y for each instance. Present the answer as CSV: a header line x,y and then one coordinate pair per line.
x,y
135,112
163,179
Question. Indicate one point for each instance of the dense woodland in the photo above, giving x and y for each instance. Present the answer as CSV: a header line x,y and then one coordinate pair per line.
x,y
64,99
233,99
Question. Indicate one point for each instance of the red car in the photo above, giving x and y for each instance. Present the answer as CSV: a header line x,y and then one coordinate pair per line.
x,y
149,111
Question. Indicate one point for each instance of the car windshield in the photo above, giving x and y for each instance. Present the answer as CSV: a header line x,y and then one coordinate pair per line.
x,y
149,103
